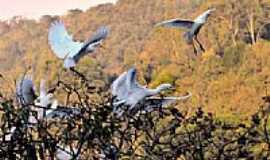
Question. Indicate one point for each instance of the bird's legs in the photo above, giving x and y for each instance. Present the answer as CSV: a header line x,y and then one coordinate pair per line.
x,y
194,48
201,46
79,74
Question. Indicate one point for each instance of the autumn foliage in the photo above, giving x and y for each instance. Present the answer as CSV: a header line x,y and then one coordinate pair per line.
x,y
227,80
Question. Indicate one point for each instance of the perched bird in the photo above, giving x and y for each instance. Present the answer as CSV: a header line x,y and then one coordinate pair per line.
x,y
72,51
49,107
128,91
193,27
45,100
26,95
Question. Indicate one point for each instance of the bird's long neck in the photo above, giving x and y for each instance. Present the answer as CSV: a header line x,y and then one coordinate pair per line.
x,y
155,91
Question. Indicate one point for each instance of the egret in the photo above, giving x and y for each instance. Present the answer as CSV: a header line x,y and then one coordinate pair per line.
x,y
64,47
49,107
129,92
193,27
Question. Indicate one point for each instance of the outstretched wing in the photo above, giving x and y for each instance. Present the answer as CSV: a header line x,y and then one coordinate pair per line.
x,y
98,36
61,42
203,17
117,85
176,23
25,91
91,43
131,81
171,98
157,102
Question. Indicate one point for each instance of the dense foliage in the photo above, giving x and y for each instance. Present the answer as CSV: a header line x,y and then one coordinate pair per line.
x,y
224,80
94,132
224,119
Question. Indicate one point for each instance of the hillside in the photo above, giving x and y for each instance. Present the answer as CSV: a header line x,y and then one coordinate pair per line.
x,y
228,79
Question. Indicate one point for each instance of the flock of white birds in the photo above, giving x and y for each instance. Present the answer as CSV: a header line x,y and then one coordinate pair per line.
x,y
125,89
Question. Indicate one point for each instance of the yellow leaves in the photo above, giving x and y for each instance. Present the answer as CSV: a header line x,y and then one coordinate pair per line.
x,y
261,49
185,81
245,96
208,54
231,94
163,76
223,85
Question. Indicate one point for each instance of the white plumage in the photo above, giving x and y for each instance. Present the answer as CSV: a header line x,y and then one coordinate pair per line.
x,y
65,153
193,27
128,91
61,42
202,18
45,100
71,51
118,86
185,23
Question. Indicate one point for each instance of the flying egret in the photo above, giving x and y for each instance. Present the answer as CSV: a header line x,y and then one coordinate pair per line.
x,y
64,47
129,92
193,27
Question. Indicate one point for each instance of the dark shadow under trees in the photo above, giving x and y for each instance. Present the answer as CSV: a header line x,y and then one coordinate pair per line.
x,y
94,132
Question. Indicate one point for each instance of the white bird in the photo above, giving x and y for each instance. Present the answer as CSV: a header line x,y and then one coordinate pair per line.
x,y
118,88
128,91
49,107
72,51
45,100
193,27
65,153
25,91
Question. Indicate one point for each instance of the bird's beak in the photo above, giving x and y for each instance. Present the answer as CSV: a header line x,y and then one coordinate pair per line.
x,y
173,88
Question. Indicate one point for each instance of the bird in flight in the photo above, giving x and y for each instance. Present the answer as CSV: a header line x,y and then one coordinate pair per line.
x,y
64,47
129,92
192,27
